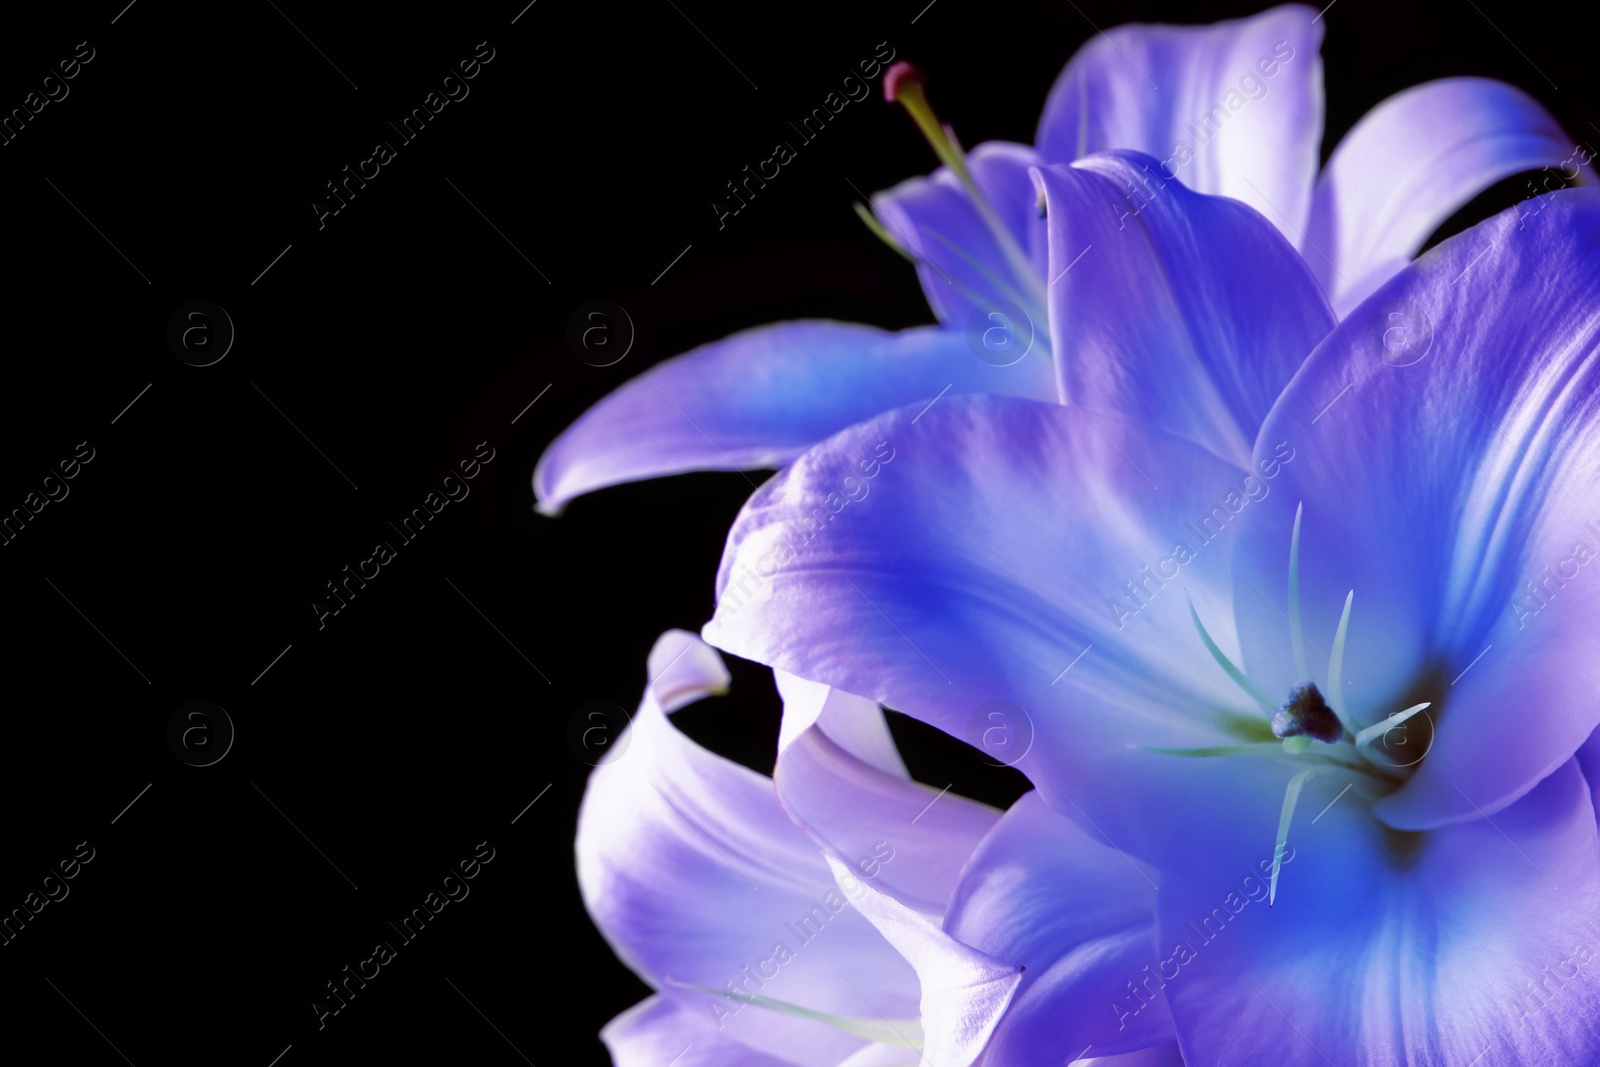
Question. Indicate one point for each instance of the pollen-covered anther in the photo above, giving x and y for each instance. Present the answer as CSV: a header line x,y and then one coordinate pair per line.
x,y
1306,714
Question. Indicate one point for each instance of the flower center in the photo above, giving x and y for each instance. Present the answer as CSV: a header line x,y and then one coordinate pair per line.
x,y
1306,715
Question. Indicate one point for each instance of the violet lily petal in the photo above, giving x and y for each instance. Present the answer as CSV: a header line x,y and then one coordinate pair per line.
x,y
1079,916
908,839
1589,762
854,723
1166,1055
880,1055
1188,312
1411,163
1200,99
682,669
964,991
760,397
671,1029
1465,942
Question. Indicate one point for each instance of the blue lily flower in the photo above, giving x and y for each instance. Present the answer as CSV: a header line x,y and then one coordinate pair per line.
x,y
1326,699
1233,109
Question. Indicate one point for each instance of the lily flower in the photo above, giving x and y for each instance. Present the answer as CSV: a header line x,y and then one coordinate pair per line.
x,y
1331,701
1233,109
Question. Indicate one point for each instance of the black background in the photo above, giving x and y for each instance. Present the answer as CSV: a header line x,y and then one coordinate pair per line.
x,y
426,715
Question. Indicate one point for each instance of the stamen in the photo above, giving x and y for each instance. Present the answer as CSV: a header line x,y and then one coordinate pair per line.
x,y
902,85
1225,663
1306,714
1295,636
1291,797
1006,287
1336,665
903,1033
916,258
880,231
1383,726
